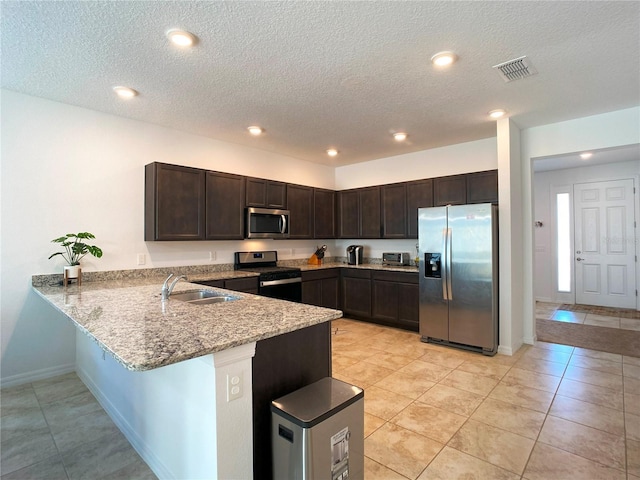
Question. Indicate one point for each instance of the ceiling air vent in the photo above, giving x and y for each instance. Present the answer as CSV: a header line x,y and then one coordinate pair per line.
x,y
516,69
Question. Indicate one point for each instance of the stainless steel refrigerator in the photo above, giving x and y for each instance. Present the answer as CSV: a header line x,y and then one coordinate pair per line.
x,y
459,276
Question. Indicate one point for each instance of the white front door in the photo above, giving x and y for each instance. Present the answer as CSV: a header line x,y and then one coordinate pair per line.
x,y
605,244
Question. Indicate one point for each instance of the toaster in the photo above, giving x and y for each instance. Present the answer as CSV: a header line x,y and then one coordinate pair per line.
x,y
395,258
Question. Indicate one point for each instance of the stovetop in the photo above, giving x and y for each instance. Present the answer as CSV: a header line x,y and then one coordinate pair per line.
x,y
264,263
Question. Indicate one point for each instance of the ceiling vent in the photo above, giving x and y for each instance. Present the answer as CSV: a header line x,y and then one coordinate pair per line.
x,y
516,69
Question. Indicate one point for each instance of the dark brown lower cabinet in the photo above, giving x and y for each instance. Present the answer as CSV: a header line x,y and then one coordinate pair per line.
x,y
320,288
395,299
356,293
246,285
282,365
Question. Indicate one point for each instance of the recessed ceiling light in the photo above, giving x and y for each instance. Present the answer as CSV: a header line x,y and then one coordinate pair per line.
x,y
125,92
255,130
400,136
332,152
497,113
443,59
586,155
182,38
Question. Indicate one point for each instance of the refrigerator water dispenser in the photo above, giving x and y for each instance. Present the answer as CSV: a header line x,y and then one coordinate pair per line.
x,y
432,266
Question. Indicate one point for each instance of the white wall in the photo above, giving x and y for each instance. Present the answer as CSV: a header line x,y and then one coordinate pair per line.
x,y
611,129
544,183
66,169
438,162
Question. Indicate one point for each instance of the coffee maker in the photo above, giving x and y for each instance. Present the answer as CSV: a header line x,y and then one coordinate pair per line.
x,y
354,254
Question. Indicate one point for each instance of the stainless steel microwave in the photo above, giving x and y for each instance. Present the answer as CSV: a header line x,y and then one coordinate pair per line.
x,y
267,223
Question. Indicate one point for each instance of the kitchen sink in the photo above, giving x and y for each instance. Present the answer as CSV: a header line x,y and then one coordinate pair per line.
x,y
202,297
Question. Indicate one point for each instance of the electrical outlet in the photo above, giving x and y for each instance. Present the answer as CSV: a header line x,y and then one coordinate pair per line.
x,y
212,256
142,259
234,386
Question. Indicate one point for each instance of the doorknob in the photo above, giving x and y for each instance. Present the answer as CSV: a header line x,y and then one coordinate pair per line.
x,y
579,259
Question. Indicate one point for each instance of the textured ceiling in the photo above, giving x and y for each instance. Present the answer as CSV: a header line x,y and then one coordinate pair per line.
x,y
319,74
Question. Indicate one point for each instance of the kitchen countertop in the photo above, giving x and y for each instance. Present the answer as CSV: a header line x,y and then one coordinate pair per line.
x,y
364,266
128,319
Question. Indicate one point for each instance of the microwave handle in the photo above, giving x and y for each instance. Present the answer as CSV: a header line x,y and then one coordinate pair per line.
x,y
283,223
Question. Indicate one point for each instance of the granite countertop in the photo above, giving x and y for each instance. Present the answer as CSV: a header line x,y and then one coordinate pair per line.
x,y
364,266
128,319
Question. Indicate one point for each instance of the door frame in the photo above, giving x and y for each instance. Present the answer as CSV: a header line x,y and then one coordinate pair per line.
x,y
570,297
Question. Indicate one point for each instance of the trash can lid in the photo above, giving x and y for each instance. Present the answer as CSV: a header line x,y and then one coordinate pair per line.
x,y
316,402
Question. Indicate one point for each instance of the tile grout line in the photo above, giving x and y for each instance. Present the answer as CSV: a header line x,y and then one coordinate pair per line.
x,y
59,454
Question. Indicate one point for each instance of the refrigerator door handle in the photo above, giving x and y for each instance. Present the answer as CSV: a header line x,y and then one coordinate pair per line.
x,y
443,266
449,247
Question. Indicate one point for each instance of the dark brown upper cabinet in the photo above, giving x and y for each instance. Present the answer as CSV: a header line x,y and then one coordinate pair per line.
x,y
370,215
225,194
174,203
266,193
450,190
359,213
348,214
324,213
482,187
300,201
394,211
419,195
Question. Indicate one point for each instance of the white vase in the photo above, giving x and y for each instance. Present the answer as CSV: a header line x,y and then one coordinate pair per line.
x,y
71,271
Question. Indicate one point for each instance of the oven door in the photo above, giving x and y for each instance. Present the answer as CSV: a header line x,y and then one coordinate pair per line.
x,y
285,289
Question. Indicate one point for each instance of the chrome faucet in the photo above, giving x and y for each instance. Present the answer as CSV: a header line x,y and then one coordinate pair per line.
x,y
167,289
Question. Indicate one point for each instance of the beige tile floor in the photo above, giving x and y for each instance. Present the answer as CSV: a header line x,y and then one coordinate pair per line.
x,y
552,311
550,411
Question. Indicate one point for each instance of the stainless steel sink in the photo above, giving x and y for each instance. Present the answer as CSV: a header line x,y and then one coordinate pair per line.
x,y
201,297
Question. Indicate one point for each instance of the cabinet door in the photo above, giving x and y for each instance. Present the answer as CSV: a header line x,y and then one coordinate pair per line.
x,y
324,213
300,201
408,306
450,190
419,195
394,211
370,217
266,193
330,293
348,206
312,292
225,206
356,294
482,187
385,301
174,202
276,194
256,191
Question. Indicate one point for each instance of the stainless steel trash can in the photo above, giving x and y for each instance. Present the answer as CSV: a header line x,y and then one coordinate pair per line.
x,y
317,432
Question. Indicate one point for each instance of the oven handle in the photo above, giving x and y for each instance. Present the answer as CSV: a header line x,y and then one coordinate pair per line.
x,y
284,281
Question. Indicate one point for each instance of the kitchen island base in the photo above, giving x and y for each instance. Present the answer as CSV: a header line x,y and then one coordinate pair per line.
x,y
178,418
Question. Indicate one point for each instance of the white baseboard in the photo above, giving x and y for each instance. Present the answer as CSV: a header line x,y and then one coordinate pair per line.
x,y
36,375
136,442
505,350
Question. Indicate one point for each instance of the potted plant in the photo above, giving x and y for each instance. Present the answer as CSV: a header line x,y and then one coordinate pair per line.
x,y
74,250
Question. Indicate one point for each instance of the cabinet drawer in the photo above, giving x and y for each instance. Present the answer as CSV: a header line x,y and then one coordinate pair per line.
x,y
398,277
249,285
212,283
320,274
355,273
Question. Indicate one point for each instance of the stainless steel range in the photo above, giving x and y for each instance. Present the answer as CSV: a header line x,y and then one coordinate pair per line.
x,y
276,282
